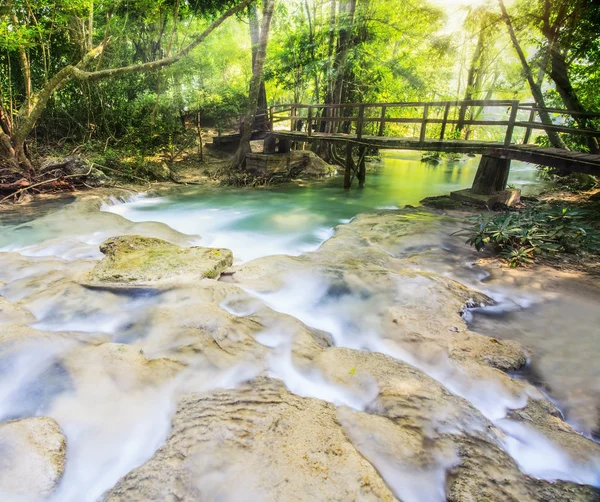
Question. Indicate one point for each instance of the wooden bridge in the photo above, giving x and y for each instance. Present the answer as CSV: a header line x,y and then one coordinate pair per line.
x,y
500,130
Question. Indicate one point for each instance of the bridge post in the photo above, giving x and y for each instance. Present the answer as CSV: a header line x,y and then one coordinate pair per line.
x,y
284,145
359,123
444,121
528,130
382,121
489,185
514,108
492,175
362,168
269,143
423,131
348,166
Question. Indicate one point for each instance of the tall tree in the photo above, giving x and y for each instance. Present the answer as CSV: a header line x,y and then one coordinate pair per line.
x,y
536,90
568,25
239,161
255,32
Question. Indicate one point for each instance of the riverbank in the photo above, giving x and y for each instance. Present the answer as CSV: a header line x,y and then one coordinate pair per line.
x,y
345,344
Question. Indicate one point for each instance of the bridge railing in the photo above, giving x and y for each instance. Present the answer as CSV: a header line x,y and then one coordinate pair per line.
x,y
425,120
533,122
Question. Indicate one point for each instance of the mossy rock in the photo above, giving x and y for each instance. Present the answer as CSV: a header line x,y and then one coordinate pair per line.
x,y
136,260
442,202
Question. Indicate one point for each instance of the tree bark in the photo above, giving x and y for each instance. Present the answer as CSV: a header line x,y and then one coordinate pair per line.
x,y
345,34
536,90
560,75
261,107
26,69
239,161
559,69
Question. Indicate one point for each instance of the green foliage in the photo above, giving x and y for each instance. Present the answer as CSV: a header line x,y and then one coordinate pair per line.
x,y
541,230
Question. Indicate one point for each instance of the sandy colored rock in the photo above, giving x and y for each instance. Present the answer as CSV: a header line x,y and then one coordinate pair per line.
x,y
275,445
542,416
405,394
124,365
504,355
223,325
484,472
10,313
32,459
136,260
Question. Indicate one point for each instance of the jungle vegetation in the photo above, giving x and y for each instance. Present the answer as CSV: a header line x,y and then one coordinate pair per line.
x,y
124,77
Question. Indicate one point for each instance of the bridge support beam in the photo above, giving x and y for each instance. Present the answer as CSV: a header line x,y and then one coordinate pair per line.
x,y
489,186
348,166
491,176
362,168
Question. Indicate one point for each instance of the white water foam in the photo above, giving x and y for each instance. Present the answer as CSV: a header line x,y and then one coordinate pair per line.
x,y
352,322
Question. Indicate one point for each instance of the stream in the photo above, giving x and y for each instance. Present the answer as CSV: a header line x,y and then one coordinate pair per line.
x,y
114,419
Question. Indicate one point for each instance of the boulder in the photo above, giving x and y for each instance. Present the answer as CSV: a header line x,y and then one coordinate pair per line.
x,y
136,260
295,164
32,459
274,444
75,167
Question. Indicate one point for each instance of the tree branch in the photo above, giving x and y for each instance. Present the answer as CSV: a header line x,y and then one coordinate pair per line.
x,y
80,74
40,100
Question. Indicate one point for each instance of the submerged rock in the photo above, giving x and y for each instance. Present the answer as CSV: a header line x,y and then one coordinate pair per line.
x,y
258,442
132,259
32,458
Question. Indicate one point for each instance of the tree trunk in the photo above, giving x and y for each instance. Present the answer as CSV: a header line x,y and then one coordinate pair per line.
x,y
262,106
559,73
474,69
26,69
536,90
239,161
344,37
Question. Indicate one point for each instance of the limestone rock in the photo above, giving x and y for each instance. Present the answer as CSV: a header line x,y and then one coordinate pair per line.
x,y
542,416
75,167
10,313
406,395
32,459
505,355
124,365
275,445
136,260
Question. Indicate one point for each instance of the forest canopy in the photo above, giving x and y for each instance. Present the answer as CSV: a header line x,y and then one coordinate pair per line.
x,y
125,73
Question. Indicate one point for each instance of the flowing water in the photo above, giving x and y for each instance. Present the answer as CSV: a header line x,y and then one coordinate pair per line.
x,y
111,428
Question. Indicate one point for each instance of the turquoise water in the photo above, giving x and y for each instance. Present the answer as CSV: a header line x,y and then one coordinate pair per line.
x,y
296,218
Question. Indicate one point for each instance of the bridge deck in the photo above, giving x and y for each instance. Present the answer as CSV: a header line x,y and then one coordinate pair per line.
x,y
552,157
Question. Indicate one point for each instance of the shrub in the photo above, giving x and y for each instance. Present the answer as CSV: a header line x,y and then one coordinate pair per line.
x,y
541,230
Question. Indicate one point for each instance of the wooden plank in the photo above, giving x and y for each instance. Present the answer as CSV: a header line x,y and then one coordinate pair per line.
x,y
534,108
310,121
440,121
473,102
553,127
